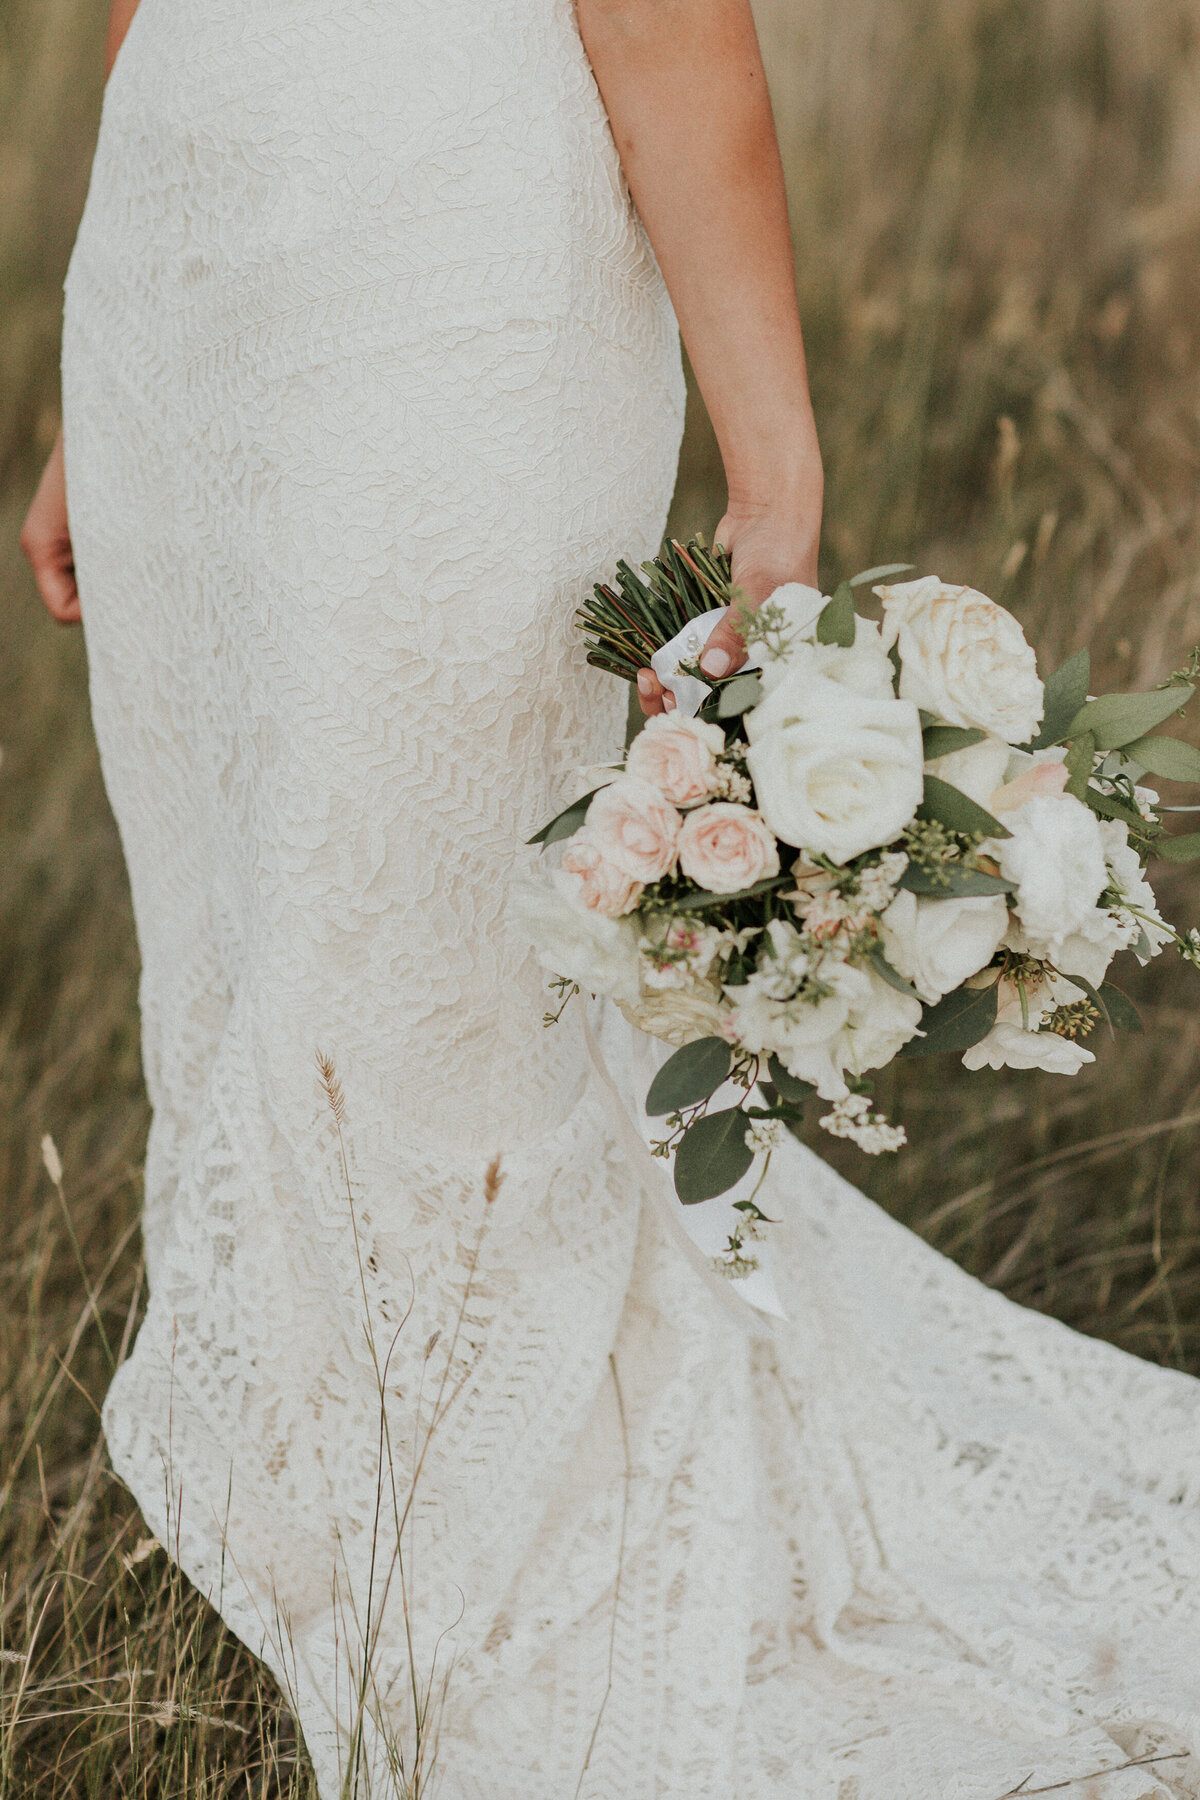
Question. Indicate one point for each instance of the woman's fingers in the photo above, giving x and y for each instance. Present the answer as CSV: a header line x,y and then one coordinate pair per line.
x,y
46,543
653,697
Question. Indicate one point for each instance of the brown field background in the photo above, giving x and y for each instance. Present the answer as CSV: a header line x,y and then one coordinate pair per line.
x,y
996,208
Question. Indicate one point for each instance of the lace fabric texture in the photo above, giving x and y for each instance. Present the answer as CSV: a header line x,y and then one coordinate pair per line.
x,y
369,372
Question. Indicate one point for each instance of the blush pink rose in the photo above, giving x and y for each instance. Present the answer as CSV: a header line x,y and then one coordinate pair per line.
x,y
603,887
725,848
634,828
677,756
1041,778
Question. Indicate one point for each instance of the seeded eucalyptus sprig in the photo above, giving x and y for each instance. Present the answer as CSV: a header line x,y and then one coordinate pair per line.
x,y
624,624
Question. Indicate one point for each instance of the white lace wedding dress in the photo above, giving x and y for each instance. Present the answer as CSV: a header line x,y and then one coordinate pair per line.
x,y
369,374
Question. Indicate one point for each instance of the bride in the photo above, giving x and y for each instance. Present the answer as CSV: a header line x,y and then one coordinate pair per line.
x,y
370,371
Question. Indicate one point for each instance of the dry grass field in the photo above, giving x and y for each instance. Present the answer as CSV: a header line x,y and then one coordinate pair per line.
x,y
997,216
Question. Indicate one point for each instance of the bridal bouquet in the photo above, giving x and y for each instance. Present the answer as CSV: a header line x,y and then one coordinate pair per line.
x,y
882,839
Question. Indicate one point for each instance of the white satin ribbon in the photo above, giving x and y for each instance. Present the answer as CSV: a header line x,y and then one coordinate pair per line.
x,y
686,646
698,1231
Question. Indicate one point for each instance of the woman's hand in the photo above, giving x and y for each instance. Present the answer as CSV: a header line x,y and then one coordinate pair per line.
x,y
46,542
770,543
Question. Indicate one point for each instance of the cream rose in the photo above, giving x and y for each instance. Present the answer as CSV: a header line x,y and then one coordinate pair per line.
x,y
858,1023
603,887
835,772
976,771
634,828
575,940
963,658
679,1015
677,756
725,848
937,944
1056,857
1010,1046
863,666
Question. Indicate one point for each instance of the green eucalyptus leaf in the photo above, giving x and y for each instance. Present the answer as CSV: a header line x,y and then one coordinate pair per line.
x,y
703,902
836,623
955,1023
956,810
1169,757
893,977
1079,760
1115,720
738,696
566,823
941,740
881,574
712,1156
1066,691
1113,806
1122,1013
1182,849
788,1086
689,1076
960,884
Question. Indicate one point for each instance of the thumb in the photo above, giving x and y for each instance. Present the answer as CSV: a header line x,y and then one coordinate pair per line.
x,y
724,652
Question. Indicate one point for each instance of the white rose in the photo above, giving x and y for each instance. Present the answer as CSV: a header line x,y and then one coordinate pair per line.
x,y
859,1024
863,666
1056,857
572,939
677,756
634,828
976,771
963,657
834,772
1010,1046
679,1015
800,605
936,944
603,888
725,848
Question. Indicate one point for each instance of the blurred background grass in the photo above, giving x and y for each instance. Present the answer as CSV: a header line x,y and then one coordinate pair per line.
x,y
996,206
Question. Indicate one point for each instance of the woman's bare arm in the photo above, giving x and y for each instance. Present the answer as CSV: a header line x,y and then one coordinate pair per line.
x,y
684,86
46,533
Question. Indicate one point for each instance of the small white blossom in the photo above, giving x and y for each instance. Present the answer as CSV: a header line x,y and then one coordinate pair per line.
x,y
733,1265
1189,947
853,1118
764,1135
731,784
877,885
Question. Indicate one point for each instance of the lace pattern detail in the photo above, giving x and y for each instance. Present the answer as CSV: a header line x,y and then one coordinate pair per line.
x,y
369,373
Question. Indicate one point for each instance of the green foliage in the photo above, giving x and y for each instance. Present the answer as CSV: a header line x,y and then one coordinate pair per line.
x,y
1079,760
712,1156
1182,849
566,823
940,740
737,696
950,807
691,1075
1115,720
836,624
1169,757
956,1022
953,881
1065,692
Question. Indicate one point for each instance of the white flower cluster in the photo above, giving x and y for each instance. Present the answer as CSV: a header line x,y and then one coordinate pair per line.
x,y
854,1118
